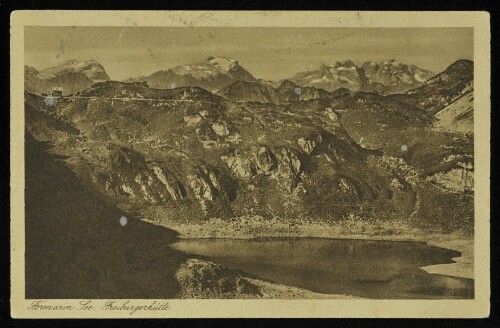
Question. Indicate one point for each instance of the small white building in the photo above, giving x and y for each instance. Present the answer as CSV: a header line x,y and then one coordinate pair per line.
x,y
57,91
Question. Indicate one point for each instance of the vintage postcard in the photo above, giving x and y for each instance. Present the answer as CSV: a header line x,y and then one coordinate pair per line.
x,y
174,164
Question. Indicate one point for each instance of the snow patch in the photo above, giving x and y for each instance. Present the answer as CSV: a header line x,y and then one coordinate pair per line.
x,y
419,78
349,69
225,64
321,80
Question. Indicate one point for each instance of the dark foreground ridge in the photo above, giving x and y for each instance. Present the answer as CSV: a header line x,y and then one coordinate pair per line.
x,y
76,247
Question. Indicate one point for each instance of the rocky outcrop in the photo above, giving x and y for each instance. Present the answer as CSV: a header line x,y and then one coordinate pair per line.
x,y
220,128
265,160
309,144
174,187
458,179
241,166
346,187
330,113
207,188
289,169
205,279
130,175
459,115
280,164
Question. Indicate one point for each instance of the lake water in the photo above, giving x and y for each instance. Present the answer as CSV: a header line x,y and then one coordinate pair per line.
x,y
372,269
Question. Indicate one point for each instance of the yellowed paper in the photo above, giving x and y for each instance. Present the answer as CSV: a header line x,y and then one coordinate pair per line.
x,y
174,164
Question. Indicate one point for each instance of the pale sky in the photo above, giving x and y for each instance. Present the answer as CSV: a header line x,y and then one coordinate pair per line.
x,y
267,53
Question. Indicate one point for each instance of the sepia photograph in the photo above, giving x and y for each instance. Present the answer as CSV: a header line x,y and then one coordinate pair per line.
x,y
248,162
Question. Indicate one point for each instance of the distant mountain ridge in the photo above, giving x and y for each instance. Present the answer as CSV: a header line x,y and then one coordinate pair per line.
x,y
217,73
214,73
72,76
395,76
91,68
287,91
343,74
448,96
383,77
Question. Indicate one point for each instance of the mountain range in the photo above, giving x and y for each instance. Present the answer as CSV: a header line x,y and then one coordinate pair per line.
x,y
383,77
217,73
287,91
214,73
182,154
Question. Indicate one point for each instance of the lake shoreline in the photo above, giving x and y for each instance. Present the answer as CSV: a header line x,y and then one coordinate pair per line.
x,y
237,284
462,267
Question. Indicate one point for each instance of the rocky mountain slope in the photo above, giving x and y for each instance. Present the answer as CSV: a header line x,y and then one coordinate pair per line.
x,y
448,96
242,91
459,115
383,77
214,73
72,76
193,159
444,88
185,154
341,75
392,76
287,91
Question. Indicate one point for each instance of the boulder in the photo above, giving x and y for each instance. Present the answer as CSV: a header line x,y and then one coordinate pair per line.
x,y
309,144
265,160
242,167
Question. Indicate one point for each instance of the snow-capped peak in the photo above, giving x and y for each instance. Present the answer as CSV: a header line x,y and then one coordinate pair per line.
x,y
211,73
225,64
81,64
91,68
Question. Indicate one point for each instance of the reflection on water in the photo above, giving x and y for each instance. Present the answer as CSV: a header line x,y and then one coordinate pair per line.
x,y
373,269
